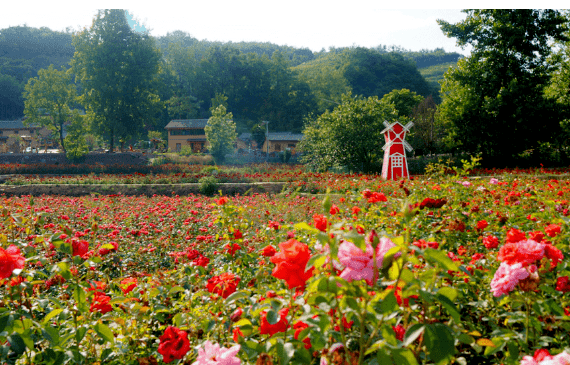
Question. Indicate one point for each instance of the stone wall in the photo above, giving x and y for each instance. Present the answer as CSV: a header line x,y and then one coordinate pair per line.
x,y
128,158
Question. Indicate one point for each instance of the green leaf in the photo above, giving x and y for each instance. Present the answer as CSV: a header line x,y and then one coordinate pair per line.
x,y
305,227
450,307
357,239
412,334
51,334
16,343
104,332
403,357
317,261
52,314
272,317
499,345
175,289
441,258
285,352
439,343
236,296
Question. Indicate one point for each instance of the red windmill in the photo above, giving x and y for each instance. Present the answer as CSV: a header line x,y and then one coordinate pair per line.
x,y
395,165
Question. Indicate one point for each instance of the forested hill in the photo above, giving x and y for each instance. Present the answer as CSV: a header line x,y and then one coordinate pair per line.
x,y
257,81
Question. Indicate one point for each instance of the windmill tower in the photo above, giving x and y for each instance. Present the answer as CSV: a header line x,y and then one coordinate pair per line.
x,y
395,165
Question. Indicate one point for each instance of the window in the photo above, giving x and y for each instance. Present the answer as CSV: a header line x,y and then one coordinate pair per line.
x,y
291,145
277,147
178,147
187,132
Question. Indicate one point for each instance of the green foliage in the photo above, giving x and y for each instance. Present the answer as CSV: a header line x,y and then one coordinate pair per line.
x,y
258,134
118,70
49,99
494,101
221,133
11,100
348,136
405,101
75,141
208,185
427,135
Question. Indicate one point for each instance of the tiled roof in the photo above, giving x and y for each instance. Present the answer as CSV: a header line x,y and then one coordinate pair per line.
x,y
245,137
14,124
285,136
186,123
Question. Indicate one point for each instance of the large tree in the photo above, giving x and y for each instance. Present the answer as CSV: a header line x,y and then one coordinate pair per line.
x,y
118,71
50,99
221,133
349,136
494,101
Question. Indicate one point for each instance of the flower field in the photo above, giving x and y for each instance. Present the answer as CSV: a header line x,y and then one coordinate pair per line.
x,y
422,271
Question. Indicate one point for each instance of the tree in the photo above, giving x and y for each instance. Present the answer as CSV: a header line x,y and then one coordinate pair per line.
x,y
349,136
258,132
49,99
425,136
405,101
498,92
220,133
118,70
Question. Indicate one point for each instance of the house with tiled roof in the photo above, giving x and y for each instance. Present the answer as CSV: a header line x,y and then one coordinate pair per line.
x,y
187,132
9,129
281,141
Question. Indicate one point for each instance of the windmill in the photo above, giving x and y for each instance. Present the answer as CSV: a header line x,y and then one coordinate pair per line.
x,y
395,165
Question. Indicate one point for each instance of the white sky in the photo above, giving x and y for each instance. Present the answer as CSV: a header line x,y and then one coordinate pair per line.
x,y
313,24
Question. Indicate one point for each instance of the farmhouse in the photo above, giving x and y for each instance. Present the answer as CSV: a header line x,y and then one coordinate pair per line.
x,y
14,134
187,132
281,141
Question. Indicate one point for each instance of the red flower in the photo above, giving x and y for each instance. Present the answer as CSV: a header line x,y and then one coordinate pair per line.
x,y
223,200
552,230
10,260
321,222
355,210
232,248
101,303
537,236
237,234
128,284
105,251
376,197
290,263
299,327
270,329
334,209
268,251
553,254
482,224
174,344
236,315
201,261
237,333
491,242
80,247
400,332
541,354
514,235
563,284
525,252
223,285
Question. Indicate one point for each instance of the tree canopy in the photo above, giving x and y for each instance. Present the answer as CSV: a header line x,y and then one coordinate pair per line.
x,y
50,101
118,71
221,133
349,136
494,101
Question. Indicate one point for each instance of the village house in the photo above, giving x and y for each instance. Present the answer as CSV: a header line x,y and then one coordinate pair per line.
x,y
187,132
15,136
281,141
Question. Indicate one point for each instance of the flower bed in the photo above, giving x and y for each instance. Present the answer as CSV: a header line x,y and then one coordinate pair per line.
x,y
419,271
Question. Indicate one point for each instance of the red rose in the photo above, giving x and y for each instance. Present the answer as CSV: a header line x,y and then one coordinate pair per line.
x,y
552,230
128,284
223,285
491,242
514,235
541,354
334,209
482,224
223,200
400,332
80,247
237,334
101,303
321,222
10,260
553,254
563,284
290,263
299,327
270,329
174,344
268,251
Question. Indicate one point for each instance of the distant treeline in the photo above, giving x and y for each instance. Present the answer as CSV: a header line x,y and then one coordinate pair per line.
x,y
257,81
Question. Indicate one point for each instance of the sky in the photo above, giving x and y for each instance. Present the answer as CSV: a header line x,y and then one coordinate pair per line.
x,y
309,24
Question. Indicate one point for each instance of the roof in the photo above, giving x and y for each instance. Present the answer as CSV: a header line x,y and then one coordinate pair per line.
x,y
245,137
285,136
14,124
186,123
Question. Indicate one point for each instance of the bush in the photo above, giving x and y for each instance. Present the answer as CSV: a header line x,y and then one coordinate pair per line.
x,y
208,185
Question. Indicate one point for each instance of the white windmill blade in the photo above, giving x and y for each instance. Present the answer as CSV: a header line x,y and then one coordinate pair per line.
x,y
386,124
408,126
408,147
387,145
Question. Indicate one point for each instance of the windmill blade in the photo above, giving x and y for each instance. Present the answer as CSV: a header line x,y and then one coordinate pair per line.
x,y
407,146
387,145
386,124
408,126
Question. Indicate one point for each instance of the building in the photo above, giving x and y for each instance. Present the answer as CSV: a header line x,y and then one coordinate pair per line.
x,y
281,141
14,136
187,132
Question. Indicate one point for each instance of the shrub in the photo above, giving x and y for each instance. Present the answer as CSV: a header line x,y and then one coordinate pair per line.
x,y
208,185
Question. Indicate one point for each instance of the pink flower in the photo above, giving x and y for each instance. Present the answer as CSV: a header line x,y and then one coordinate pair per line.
x,y
542,357
507,277
493,181
213,354
360,264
